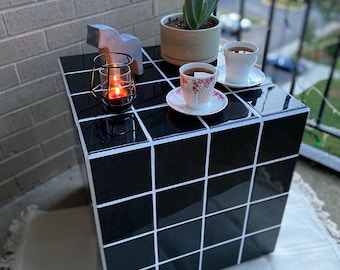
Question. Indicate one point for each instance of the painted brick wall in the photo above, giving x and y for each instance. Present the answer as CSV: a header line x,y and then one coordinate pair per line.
x,y
37,135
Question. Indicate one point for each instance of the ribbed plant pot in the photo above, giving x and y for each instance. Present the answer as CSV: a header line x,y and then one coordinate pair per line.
x,y
181,46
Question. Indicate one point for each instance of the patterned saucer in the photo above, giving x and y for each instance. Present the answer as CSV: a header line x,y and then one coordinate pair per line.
x,y
216,104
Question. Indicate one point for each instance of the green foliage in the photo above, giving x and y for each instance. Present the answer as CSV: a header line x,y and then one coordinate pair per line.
x,y
197,12
330,118
329,9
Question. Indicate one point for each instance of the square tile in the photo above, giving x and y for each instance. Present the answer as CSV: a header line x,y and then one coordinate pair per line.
x,y
80,82
170,70
154,52
180,161
224,226
77,62
87,105
266,214
259,244
179,240
235,111
234,148
273,179
164,122
186,263
126,219
151,94
179,204
112,132
284,135
228,190
222,256
270,100
150,74
121,175
134,254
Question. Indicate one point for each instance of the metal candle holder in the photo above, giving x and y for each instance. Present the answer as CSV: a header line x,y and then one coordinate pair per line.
x,y
116,88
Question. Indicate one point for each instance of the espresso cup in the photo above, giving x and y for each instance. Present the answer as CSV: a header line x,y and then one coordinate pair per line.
x,y
197,83
240,57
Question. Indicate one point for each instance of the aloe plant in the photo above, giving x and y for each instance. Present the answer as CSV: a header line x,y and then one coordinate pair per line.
x,y
197,12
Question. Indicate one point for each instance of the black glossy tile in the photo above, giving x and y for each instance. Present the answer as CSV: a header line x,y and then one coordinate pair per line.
x,y
228,190
180,161
79,82
266,214
134,254
259,244
251,96
224,226
168,69
77,62
270,100
164,121
176,82
273,179
126,219
233,148
150,74
87,105
187,263
179,240
284,135
221,257
112,132
121,175
235,110
179,204
154,52
151,94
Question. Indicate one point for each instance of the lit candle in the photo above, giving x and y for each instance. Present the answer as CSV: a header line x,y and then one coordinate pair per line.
x,y
116,92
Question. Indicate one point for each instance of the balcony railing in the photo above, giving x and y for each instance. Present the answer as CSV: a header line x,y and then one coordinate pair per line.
x,y
307,33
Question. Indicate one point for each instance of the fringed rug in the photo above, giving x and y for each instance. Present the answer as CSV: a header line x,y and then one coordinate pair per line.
x,y
65,239
52,240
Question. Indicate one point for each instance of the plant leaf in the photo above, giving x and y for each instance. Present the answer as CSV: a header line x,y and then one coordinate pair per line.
x,y
197,12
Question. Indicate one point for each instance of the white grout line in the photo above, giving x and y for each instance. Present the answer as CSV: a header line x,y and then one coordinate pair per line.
x,y
257,150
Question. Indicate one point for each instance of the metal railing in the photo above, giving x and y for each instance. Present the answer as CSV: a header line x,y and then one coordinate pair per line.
x,y
315,124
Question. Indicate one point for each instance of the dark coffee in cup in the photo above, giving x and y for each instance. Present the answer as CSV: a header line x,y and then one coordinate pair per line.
x,y
191,72
241,50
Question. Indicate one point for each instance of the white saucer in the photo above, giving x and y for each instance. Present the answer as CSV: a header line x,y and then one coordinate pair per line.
x,y
256,76
216,104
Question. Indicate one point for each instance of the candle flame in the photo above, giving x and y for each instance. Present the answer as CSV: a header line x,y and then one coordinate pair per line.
x,y
114,80
115,89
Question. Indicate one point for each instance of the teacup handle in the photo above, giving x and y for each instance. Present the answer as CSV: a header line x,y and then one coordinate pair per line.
x,y
217,74
255,60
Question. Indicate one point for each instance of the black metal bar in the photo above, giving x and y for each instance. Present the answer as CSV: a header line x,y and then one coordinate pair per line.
x,y
269,29
329,81
323,128
304,29
241,12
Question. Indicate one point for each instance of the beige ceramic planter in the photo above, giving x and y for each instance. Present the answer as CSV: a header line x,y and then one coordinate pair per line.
x,y
180,46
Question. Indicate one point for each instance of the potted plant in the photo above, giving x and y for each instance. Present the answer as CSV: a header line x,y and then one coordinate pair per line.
x,y
191,36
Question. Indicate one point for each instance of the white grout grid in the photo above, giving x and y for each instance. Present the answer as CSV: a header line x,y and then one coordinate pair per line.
x,y
172,191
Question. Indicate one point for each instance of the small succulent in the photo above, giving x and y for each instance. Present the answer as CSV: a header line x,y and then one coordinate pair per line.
x,y
197,12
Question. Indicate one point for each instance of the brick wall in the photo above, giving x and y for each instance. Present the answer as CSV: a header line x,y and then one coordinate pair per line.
x,y
37,135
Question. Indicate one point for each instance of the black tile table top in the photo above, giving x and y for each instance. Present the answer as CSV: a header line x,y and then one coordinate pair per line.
x,y
153,118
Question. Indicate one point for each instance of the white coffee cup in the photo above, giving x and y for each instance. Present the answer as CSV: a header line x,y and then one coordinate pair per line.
x,y
197,83
240,57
